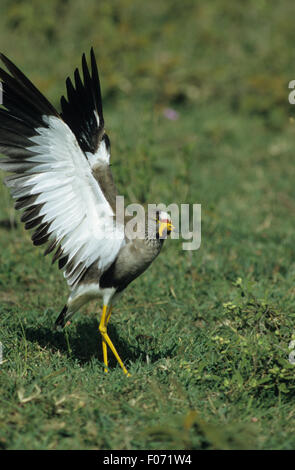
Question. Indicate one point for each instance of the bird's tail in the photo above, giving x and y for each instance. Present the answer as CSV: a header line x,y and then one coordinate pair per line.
x,y
62,318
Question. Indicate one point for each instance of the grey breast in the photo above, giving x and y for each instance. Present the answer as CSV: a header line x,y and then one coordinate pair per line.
x,y
133,258
136,255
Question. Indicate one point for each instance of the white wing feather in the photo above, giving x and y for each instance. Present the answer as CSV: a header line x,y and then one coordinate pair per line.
x,y
82,221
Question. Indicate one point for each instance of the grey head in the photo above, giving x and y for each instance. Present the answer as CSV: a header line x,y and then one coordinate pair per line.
x,y
152,228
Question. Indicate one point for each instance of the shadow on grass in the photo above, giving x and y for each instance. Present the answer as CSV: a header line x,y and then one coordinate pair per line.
x,y
83,342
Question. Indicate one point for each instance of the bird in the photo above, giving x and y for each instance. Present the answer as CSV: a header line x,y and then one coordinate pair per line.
x,y
62,182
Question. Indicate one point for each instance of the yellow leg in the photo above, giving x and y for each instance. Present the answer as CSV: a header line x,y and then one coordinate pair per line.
x,y
109,314
104,344
107,341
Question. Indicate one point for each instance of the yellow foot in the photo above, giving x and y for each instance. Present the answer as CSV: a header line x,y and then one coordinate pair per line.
x,y
107,341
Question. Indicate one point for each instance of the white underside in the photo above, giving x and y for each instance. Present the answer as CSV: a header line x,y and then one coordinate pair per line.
x,y
84,293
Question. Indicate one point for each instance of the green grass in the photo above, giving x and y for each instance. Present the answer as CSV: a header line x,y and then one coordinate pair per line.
x,y
205,334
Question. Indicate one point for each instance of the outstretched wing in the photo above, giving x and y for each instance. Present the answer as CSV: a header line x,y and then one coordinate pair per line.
x,y
51,157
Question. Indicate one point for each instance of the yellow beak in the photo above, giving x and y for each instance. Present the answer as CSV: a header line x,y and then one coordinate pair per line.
x,y
165,225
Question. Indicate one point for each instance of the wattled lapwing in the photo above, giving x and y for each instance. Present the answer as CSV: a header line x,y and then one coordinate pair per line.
x,y
62,180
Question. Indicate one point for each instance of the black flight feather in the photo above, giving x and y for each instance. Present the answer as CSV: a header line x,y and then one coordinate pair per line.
x,y
83,100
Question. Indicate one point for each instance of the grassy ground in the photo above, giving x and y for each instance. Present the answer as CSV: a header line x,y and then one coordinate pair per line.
x,y
205,334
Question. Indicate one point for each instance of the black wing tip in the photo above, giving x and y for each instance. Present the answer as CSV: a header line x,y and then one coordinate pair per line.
x,y
63,100
84,60
92,55
93,63
5,59
61,319
19,84
82,101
